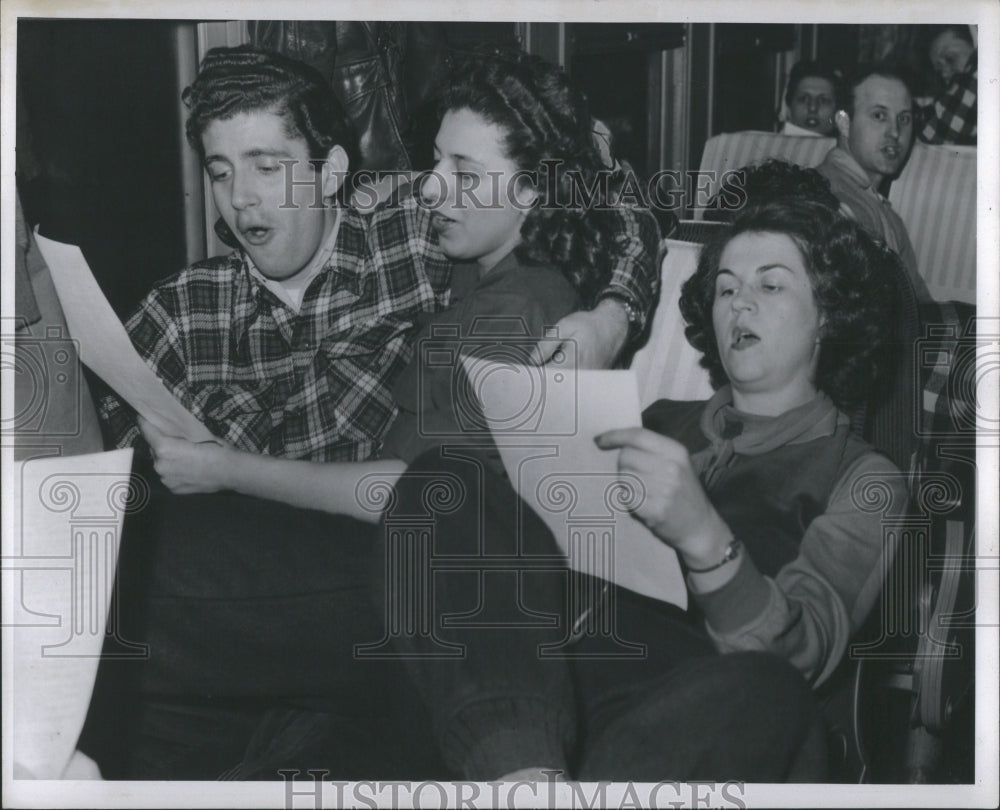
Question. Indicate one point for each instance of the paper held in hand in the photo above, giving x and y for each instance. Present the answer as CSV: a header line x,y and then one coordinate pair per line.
x,y
543,420
105,347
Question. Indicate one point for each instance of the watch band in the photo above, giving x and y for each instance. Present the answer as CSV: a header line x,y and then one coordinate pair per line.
x,y
632,314
732,552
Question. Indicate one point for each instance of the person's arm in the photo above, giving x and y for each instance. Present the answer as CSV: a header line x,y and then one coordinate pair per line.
x,y
808,613
952,117
357,489
674,505
624,306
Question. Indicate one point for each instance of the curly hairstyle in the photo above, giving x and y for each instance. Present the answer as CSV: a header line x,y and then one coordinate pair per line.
x,y
762,182
853,279
548,134
245,79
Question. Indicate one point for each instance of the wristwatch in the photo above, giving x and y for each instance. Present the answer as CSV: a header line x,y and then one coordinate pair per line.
x,y
632,314
732,552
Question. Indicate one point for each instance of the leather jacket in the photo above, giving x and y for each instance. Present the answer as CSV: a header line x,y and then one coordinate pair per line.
x,y
383,72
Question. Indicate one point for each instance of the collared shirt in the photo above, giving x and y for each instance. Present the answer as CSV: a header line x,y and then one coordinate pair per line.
x,y
788,128
317,384
852,186
292,291
953,117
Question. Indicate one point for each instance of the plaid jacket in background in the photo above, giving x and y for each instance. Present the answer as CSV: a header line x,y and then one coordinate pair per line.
x,y
953,116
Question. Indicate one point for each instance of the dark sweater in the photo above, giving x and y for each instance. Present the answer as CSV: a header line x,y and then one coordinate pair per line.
x,y
799,497
498,316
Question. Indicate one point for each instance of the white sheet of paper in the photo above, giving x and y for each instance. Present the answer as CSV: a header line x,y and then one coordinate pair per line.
x,y
105,347
544,420
58,574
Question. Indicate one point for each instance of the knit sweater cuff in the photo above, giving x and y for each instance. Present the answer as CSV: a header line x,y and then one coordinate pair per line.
x,y
493,737
738,602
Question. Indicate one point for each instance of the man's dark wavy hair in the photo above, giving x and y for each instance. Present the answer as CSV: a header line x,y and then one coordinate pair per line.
x,y
815,68
853,279
245,79
545,120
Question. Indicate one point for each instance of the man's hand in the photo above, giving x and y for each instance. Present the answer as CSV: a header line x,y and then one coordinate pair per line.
x,y
675,507
188,467
599,336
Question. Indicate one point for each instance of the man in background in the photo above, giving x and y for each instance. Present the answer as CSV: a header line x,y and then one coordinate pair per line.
x,y
874,134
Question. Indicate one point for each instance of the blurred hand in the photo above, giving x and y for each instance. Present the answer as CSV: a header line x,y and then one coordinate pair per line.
x,y
188,467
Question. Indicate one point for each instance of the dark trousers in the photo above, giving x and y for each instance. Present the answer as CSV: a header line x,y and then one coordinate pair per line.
x,y
251,611
440,644
633,690
492,584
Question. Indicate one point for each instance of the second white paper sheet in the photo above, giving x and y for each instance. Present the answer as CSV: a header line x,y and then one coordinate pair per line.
x,y
66,516
544,420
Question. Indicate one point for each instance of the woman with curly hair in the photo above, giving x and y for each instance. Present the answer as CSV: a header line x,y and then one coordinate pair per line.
x,y
258,607
766,495
515,154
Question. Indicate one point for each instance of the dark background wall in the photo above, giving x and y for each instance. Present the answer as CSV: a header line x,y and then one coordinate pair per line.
x,y
100,99
100,124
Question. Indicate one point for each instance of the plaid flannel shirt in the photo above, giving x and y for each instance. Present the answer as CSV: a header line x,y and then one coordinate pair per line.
x,y
317,384
953,116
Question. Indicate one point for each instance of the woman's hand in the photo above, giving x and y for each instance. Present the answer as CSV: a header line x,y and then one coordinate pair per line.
x,y
675,507
188,467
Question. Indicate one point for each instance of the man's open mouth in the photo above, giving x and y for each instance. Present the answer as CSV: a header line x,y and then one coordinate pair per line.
x,y
256,235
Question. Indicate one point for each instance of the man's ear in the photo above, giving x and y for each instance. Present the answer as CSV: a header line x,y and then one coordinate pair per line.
x,y
334,171
843,122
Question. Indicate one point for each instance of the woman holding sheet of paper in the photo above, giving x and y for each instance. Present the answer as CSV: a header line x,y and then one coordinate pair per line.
x,y
773,505
761,491
515,153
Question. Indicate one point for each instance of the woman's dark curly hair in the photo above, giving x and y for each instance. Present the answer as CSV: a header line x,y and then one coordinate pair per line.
x,y
245,79
853,280
762,182
548,135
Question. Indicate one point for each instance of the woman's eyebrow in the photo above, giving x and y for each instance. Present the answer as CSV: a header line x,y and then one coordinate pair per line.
x,y
774,265
469,159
